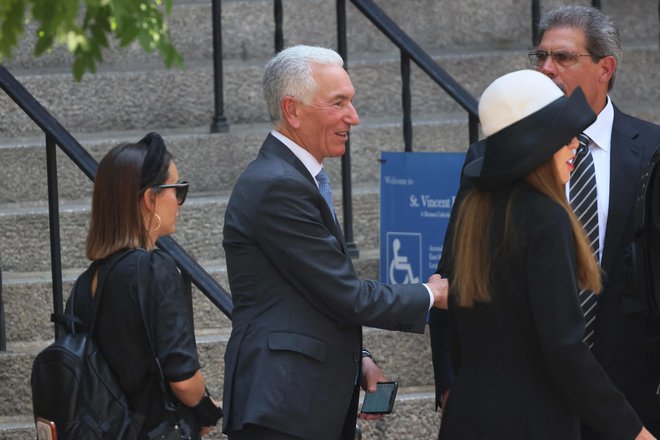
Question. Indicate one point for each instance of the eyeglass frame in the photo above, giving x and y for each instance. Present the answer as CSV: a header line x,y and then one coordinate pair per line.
x,y
180,188
572,56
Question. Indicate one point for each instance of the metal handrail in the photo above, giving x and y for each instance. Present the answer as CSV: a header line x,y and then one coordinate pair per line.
x,y
3,334
57,135
411,51
219,123
346,179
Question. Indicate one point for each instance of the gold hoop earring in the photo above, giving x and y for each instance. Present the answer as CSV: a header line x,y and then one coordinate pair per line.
x,y
160,222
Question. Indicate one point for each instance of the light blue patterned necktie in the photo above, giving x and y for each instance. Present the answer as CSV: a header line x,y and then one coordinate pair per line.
x,y
324,187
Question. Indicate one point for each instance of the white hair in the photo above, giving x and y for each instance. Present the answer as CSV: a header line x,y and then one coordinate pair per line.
x,y
289,73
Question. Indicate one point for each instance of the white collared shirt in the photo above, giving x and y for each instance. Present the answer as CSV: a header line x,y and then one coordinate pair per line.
x,y
600,133
310,162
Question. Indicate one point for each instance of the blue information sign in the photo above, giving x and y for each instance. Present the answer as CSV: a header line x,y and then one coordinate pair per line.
x,y
417,192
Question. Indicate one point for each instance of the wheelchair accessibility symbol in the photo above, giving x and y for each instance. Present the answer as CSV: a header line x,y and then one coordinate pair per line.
x,y
404,257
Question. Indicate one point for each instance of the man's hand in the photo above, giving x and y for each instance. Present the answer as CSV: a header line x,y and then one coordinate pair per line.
x,y
440,288
371,375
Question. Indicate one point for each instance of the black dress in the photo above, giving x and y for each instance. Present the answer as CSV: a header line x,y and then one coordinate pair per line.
x,y
122,338
524,371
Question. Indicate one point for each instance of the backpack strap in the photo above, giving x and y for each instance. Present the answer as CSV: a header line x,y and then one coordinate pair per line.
x,y
143,278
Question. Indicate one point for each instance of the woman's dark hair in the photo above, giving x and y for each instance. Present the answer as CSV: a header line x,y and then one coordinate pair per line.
x,y
123,176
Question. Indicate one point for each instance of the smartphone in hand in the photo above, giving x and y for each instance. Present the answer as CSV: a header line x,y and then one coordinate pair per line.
x,y
382,400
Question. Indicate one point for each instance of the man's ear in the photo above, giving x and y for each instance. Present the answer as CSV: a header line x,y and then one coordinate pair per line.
x,y
291,111
608,67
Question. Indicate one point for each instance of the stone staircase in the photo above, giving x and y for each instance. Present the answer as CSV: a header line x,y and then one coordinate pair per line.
x,y
474,40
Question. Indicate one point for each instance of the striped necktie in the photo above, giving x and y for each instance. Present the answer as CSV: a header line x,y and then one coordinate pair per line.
x,y
583,194
324,188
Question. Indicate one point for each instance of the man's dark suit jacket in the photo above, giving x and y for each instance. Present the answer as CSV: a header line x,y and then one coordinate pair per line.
x,y
622,345
524,372
293,358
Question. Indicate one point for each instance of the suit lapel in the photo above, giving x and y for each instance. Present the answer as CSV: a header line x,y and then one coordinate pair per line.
x,y
625,161
273,146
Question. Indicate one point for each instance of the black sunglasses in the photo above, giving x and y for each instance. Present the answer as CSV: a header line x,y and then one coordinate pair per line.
x,y
180,188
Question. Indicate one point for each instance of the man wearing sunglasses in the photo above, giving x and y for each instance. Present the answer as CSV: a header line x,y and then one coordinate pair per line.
x,y
580,46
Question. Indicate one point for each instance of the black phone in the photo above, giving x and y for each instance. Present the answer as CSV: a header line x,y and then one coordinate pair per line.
x,y
381,401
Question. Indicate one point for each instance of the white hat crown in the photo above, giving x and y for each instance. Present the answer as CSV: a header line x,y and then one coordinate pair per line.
x,y
513,97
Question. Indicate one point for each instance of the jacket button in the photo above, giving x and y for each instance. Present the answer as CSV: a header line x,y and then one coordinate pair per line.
x,y
357,357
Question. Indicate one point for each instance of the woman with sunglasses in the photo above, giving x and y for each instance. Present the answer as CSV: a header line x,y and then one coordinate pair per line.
x,y
137,195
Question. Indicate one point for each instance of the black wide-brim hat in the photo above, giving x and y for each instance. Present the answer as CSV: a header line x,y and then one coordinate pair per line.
x,y
533,136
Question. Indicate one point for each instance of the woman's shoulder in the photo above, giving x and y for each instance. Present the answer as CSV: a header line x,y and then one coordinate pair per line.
x,y
159,262
538,212
163,268
159,256
536,203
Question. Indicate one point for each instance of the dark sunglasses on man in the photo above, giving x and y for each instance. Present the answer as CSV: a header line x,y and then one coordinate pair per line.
x,y
180,188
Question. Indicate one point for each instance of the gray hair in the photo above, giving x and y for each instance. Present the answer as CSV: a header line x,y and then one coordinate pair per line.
x,y
289,73
601,33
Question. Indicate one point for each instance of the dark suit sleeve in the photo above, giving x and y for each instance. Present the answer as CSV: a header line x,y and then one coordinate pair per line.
x,y
439,327
291,232
559,323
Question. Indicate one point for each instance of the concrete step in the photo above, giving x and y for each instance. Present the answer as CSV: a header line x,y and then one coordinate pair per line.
x,y
403,357
25,232
28,303
212,162
248,26
144,99
413,418
201,155
28,300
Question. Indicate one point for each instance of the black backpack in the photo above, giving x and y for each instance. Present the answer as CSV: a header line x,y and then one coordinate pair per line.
x,y
72,383
642,298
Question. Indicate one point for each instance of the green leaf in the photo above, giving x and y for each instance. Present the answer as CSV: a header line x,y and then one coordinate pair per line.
x,y
85,26
44,42
12,13
78,68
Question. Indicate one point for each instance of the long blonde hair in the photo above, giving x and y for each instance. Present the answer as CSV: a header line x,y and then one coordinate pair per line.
x,y
471,249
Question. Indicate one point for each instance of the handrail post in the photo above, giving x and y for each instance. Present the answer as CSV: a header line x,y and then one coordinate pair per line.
x,y
536,18
279,33
346,185
219,124
54,226
3,334
406,102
